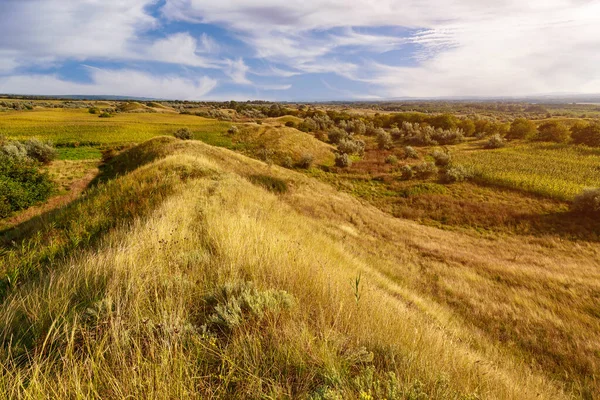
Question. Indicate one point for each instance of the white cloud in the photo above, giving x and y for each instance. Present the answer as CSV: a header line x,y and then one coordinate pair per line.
x,y
179,48
236,70
112,82
466,47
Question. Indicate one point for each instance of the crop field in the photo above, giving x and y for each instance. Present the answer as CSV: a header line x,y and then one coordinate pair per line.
x,y
79,126
550,170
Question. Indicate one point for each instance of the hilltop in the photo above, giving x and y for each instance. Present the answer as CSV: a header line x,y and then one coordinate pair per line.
x,y
191,270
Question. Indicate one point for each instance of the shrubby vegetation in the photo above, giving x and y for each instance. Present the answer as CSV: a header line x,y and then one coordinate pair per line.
x,y
183,134
588,202
495,142
22,183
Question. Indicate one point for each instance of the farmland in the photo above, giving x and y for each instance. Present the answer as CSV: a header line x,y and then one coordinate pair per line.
x,y
550,170
256,262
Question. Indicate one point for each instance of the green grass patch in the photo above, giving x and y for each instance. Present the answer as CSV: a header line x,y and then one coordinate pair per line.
x,y
79,153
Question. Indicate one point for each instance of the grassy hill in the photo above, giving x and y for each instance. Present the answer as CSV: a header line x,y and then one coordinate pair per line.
x,y
191,271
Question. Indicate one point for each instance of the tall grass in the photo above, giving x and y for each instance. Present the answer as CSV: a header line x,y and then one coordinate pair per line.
x,y
221,289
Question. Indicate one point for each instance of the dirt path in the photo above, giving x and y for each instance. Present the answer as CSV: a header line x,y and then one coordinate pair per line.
x,y
75,189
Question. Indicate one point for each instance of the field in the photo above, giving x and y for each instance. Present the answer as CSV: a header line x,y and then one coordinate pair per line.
x,y
64,126
204,269
549,170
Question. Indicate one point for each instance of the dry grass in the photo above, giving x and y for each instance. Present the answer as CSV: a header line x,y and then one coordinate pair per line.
x,y
439,314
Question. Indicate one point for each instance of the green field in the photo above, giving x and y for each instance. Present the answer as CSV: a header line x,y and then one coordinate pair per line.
x,y
550,170
79,126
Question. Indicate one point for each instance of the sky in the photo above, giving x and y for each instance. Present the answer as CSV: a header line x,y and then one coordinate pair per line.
x,y
309,50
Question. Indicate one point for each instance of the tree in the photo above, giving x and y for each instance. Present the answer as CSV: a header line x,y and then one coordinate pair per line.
x,y
522,128
554,131
586,134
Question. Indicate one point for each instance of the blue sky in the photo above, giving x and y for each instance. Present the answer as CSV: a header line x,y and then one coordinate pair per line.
x,y
294,51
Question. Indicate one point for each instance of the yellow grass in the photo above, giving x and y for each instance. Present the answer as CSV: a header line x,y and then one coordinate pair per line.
x,y
435,314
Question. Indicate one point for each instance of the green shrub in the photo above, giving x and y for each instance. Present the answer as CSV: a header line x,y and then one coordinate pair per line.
x,y
410,152
406,172
441,158
22,184
351,146
495,142
270,183
391,159
342,160
306,161
93,110
554,131
233,130
287,162
588,202
522,128
290,124
457,173
425,170
336,135
235,305
384,139
40,151
587,134
105,115
183,134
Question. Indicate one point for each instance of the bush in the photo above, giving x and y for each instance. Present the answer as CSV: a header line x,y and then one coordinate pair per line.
x,y
495,142
336,135
22,184
588,134
522,128
410,152
40,151
588,202
287,162
342,160
94,110
384,139
290,124
554,131
306,161
406,172
105,115
457,173
391,159
233,130
425,170
349,146
441,158
183,134
235,305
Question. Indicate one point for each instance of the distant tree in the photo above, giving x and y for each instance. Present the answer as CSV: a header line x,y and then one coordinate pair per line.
x,y
522,128
588,134
554,131
468,126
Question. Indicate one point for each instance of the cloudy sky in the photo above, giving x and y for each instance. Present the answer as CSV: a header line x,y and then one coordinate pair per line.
x,y
299,50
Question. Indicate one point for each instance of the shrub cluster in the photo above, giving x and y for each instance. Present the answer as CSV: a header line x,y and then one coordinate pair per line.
x,y
22,184
342,160
183,134
441,158
495,142
588,202
457,173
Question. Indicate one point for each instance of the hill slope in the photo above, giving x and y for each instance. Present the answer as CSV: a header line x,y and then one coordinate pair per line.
x,y
192,271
